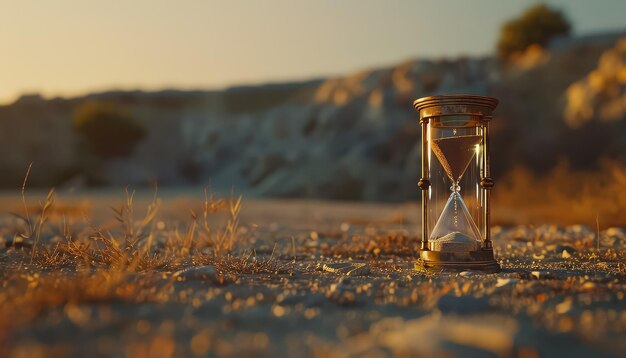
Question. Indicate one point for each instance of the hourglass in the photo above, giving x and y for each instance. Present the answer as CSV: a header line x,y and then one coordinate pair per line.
x,y
455,182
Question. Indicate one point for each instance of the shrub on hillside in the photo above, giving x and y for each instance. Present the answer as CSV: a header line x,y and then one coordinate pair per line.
x,y
536,26
107,131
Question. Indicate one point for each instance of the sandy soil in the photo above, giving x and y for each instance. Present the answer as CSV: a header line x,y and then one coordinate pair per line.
x,y
284,293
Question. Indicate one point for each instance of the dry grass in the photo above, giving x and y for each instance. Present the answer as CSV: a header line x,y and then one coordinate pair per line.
x,y
563,196
55,265
136,244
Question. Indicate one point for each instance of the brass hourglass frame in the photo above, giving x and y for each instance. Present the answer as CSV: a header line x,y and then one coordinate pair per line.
x,y
475,108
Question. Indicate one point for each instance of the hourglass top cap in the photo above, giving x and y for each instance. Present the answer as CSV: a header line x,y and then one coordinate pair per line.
x,y
455,104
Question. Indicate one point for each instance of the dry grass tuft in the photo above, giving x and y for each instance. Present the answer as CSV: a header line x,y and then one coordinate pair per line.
x,y
563,196
136,245
223,241
56,265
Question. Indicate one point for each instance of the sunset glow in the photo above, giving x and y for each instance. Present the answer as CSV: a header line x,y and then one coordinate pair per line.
x,y
72,47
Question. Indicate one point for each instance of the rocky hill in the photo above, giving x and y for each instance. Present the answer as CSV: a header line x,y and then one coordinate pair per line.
x,y
353,137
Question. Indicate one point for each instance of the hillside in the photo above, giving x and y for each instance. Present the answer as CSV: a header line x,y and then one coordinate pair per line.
x,y
352,137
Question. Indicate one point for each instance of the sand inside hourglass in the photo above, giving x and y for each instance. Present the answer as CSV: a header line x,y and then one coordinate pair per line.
x,y
455,230
455,153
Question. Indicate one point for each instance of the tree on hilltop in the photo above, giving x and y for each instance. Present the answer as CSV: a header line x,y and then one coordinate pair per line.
x,y
536,26
107,131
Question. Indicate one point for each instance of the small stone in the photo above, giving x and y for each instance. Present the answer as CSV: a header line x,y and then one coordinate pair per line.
x,y
615,232
551,275
565,254
588,286
348,268
202,273
312,243
502,282
564,306
569,249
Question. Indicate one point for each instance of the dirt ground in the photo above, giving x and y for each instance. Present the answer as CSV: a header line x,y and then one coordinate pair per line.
x,y
280,289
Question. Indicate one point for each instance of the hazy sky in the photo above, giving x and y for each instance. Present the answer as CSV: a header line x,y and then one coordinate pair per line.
x,y
65,47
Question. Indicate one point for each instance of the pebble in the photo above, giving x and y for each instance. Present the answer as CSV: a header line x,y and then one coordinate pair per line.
x,y
348,268
565,248
564,306
616,232
502,282
202,273
588,286
545,274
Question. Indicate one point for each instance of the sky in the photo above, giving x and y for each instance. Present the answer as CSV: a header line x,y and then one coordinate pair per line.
x,y
67,48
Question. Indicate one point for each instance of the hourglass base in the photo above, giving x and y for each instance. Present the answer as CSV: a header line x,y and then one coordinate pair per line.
x,y
481,260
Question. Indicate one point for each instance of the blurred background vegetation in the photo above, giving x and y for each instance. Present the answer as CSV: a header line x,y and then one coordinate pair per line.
x,y
105,130
537,26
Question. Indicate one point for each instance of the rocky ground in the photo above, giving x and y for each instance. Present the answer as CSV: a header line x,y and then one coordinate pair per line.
x,y
305,278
